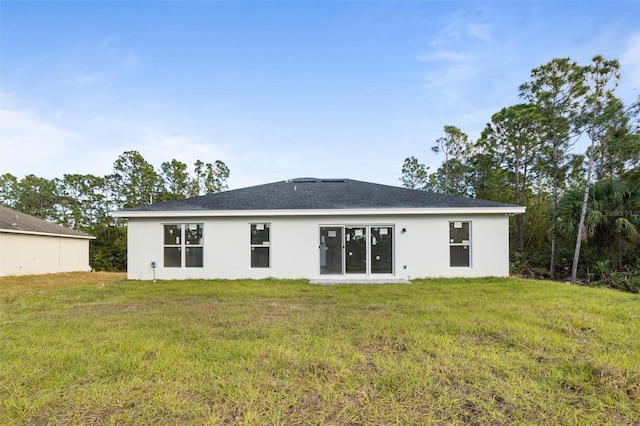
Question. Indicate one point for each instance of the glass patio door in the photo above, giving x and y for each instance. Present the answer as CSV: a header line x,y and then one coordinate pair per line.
x,y
361,250
331,250
355,245
381,250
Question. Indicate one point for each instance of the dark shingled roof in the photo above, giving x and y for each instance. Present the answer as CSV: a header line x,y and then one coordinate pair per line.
x,y
320,194
15,221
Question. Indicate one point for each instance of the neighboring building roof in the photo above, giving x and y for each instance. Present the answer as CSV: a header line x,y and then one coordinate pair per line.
x,y
318,194
13,221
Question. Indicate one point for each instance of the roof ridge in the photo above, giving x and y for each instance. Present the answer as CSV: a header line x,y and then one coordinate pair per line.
x,y
320,194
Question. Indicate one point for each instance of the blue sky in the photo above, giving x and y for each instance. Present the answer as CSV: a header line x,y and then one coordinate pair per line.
x,y
279,89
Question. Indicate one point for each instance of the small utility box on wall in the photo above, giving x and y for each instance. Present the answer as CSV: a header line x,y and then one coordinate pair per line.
x,y
153,267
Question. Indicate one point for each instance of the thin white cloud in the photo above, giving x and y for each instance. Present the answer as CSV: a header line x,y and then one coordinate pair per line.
x,y
130,60
99,63
158,146
461,27
31,145
455,54
447,77
480,31
83,79
37,143
123,56
445,55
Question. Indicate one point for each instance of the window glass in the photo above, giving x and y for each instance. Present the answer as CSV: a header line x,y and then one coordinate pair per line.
x,y
172,257
381,250
260,245
331,250
459,232
260,234
193,234
459,244
355,250
172,235
183,245
259,257
193,257
459,255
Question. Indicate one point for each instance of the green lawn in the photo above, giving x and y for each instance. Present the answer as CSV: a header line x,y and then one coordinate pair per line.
x,y
488,351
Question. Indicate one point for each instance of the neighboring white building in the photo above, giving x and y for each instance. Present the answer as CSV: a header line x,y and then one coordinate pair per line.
x,y
320,229
29,245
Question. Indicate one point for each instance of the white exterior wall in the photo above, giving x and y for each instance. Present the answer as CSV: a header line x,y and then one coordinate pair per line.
x,y
422,251
24,254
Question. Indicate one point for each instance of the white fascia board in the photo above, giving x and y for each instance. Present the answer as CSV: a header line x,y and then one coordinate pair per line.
x,y
508,210
47,234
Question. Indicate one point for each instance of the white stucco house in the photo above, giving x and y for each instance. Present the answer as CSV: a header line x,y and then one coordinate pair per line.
x,y
333,230
29,245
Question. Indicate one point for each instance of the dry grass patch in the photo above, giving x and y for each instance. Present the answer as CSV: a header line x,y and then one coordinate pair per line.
x,y
33,283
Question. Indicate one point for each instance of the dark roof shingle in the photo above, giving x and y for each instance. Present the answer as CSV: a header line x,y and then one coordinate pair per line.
x,y
15,221
321,194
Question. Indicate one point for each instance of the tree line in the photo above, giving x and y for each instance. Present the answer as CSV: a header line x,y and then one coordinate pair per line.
x,y
583,205
84,201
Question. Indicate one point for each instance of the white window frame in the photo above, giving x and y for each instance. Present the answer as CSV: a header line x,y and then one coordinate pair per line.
x,y
462,243
183,246
264,244
369,248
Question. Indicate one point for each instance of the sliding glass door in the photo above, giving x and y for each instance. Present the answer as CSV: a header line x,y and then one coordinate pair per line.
x,y
331,250
381,250
356,250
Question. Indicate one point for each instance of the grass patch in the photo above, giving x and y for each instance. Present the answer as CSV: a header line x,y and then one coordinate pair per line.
x,y
31,283
487,351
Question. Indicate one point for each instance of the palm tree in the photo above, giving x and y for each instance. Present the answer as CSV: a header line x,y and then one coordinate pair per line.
x,y
612,222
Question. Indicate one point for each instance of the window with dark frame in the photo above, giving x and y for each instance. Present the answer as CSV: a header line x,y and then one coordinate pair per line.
x,y
260,243
460,244
183,245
